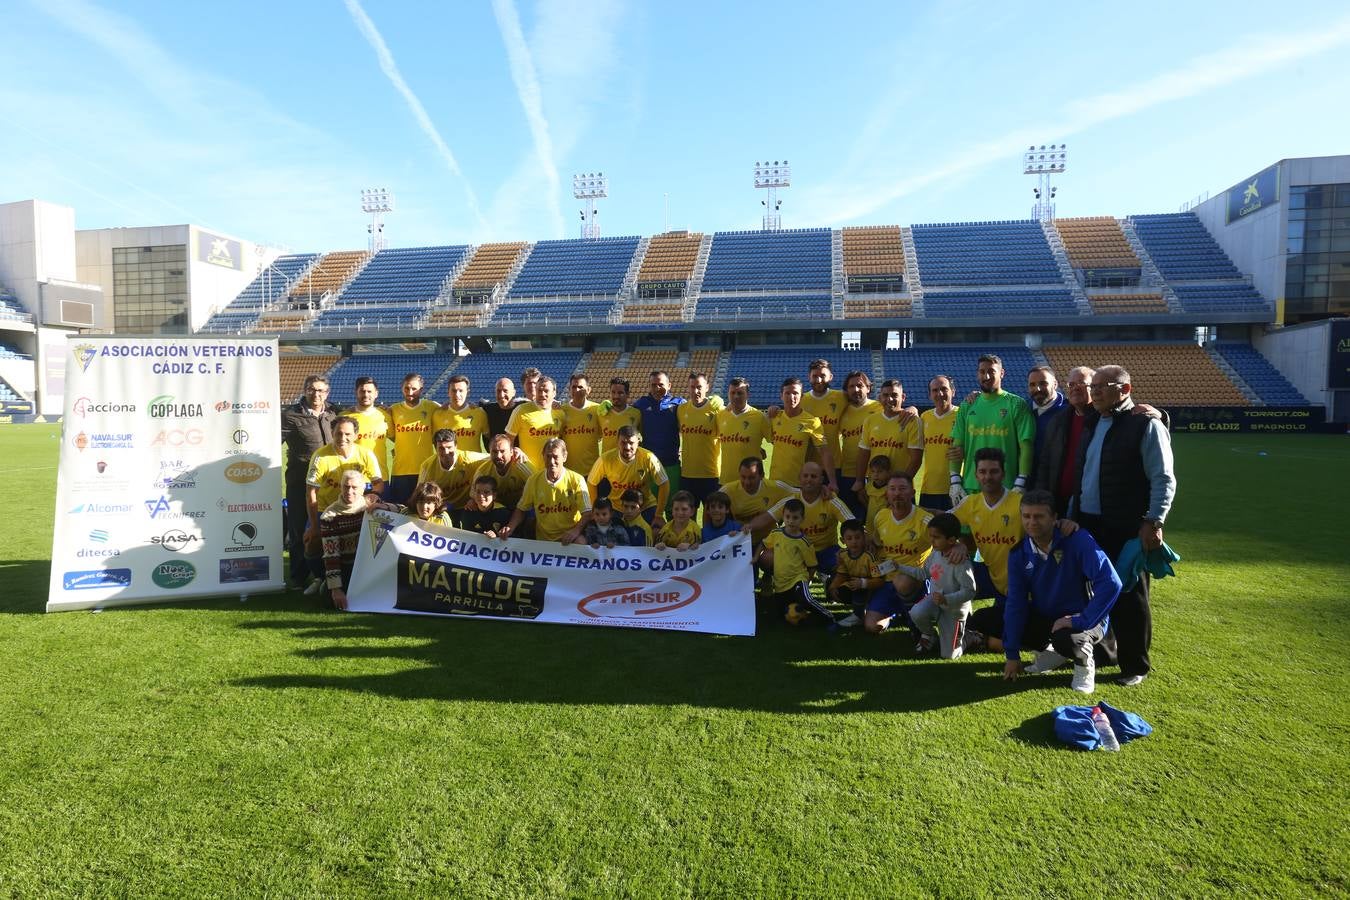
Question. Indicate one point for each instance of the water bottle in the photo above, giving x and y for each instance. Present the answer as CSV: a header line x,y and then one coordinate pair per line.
x,y
1104,732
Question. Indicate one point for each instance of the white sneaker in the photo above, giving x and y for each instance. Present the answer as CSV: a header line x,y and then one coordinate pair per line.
x,y
314,587
849,621
1084,677
1045,661
1130,680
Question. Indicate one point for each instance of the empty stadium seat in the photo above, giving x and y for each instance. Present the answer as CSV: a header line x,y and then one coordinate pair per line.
x,y
483,369
1007,304
1096,242
1219,298
575,267
1161,374
916,366
388,370
294,368
243,311
768,308
766,367
790,260
1181,248
984,253
1127,304
1252,367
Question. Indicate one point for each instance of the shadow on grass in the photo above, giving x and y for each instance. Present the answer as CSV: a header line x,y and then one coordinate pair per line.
x,y
783,670
24,584
1038,731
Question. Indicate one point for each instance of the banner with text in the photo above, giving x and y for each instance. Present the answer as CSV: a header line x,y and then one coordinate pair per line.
x,y
169,480
405,565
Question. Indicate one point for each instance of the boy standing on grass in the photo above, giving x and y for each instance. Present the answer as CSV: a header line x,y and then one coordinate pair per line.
x,y
951,587
789,556
855,575
681,532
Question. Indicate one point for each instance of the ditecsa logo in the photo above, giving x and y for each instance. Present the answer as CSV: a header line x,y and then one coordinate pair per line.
x,y
635,598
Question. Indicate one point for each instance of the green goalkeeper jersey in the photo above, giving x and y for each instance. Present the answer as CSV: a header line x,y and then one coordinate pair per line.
x,y
1001,420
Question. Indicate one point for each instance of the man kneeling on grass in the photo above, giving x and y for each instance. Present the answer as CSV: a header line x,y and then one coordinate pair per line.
x,y
1060,591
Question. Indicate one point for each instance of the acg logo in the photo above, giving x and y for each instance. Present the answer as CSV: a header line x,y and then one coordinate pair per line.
x,y
243,472
178,437
637,597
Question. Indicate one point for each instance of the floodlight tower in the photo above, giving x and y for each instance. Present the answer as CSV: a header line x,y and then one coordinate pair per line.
x,y
377,202
1044,161
770,176
590,187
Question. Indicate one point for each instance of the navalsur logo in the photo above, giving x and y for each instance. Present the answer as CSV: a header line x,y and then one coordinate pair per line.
x,y
640,597
173,574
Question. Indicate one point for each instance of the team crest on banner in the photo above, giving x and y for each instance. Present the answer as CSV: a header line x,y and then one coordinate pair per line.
x,y
380,524
84,355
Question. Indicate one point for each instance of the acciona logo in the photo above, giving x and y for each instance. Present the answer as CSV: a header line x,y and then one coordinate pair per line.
x,y
86,406
639,598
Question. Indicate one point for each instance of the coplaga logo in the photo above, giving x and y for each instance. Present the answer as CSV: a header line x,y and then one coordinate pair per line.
x,y
173,574
243,472
638,597
166,407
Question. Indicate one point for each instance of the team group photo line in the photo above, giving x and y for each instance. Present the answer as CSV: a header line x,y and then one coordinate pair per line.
x,y
868,513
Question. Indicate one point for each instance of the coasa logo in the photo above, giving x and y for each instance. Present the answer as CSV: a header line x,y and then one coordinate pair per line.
x,y
243,472
173,574
166,407
637,597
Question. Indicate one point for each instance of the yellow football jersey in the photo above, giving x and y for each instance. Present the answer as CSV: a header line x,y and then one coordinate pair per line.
x,y
673,537
904,541
558,506
412,434
793,559
644,475
883,436
532,428
996,529
850,432
510,484
469,424
822,519
937,440
828,409
454,481
611,420
740,435
792,437
744,507
326,468
861,566
372,432
700,455
876,500
581,431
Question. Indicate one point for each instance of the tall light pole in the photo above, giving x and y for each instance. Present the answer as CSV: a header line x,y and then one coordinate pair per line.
x,y
590,187
377,202
770,176
1044,161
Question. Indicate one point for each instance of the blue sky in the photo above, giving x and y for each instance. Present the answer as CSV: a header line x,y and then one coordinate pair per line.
x,y
266,120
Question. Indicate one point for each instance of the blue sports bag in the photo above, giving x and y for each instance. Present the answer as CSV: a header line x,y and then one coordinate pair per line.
x,y
1073,725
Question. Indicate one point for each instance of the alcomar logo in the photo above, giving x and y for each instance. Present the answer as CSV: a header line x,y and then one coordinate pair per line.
x,y
173,574
637,597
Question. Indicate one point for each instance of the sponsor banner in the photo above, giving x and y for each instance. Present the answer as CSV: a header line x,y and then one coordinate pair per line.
x,y
219,251
1254,194
407,566
168,481
1338,365
1252,419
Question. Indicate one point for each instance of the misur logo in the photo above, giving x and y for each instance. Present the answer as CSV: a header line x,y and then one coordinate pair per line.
x,y
639,597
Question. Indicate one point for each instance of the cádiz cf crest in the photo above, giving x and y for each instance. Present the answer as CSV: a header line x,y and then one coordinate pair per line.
x,y
380,525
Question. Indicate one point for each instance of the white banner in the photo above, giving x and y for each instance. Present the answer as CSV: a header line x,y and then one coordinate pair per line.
x,y
169,483
404,565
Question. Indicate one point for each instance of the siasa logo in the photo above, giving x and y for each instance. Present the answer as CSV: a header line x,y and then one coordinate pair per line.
x,y
84,355
243,472
165,407
638,597
174,540
173,574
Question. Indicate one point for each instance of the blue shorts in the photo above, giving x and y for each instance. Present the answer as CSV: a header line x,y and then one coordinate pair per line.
x,y
936,502
400,488
700,487
887,601
827,559
984,585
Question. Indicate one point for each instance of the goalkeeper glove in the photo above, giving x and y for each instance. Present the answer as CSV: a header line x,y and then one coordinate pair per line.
x,y
956,492
1020,483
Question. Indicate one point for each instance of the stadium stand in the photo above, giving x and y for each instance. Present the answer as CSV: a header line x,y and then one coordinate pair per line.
x,y
770,307
1096,242
1180,374
489,267
1007,304
8,393
11,308
1127,304
643,313
553,312
669,259
388,370
575,268
466,315
643,362
790,260
294,368
917,365
330,273
483,369
243,311
1219,298
9,351
874,307
602,365
766,367
1181,248
874,259
984,253
1272,387
393,290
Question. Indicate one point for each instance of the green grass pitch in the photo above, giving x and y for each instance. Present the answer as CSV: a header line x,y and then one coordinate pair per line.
x,y
274,747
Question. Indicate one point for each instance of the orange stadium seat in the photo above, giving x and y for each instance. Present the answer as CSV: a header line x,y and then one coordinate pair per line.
x,y
1127,304
329,273
294,368
1162,374
1096,242
491,263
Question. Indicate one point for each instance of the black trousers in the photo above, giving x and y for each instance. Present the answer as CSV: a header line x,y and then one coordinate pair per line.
x,y
297,517
1131,617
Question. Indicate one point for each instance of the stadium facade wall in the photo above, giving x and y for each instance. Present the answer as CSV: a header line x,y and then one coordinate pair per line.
x,y
1303,354
36,245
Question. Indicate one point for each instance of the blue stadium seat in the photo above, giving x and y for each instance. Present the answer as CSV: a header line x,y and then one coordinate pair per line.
x,y
1181,248
483,369
984,253
916,366
792,260
766,367
575,267
388,370
1219,298
244,310
1272,387
1019,303
405,276
765,308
